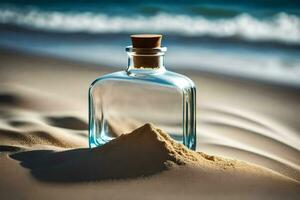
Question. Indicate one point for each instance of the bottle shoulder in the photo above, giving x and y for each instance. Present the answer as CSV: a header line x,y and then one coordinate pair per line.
x,y
162,78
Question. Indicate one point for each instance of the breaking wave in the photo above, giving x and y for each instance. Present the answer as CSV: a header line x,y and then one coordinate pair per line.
x,y
281,27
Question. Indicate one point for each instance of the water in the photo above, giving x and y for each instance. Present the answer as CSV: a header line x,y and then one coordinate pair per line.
x,y
237,38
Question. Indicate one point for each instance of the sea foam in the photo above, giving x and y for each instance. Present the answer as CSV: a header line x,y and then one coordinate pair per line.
x,y
281,27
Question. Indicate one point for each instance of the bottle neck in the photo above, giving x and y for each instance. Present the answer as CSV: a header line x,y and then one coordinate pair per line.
x,y
145,59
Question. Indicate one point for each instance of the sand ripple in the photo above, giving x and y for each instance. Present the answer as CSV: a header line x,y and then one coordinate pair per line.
x,y
248,137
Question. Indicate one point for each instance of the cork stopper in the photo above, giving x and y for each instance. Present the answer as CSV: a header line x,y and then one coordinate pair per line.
x,y
146,40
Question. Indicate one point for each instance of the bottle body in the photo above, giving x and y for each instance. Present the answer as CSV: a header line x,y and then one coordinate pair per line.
x,y
123,101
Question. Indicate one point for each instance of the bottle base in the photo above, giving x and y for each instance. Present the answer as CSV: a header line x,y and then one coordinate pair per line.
x,y
99,142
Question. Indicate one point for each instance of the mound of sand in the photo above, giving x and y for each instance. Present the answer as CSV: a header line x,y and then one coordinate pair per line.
x,y
143,152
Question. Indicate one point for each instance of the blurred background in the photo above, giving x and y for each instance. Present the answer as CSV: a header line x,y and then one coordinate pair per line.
x,y
251,39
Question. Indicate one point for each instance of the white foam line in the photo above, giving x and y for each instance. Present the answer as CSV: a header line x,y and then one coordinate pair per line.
x,y
282,27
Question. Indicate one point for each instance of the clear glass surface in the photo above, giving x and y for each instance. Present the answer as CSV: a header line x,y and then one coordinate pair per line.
x,y
123,101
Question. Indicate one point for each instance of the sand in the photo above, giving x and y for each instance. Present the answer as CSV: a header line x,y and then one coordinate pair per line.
x,y
44,154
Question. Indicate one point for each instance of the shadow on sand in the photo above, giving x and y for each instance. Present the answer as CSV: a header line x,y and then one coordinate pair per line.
x,y
111,161
79,165
140,153
65,166
68,122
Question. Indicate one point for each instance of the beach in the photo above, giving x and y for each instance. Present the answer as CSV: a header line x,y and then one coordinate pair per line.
x,y
44,109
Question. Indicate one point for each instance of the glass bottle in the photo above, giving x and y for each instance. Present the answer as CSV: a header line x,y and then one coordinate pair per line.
x,y
143,93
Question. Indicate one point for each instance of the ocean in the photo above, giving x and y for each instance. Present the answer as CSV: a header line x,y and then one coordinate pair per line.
x,y
250,39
